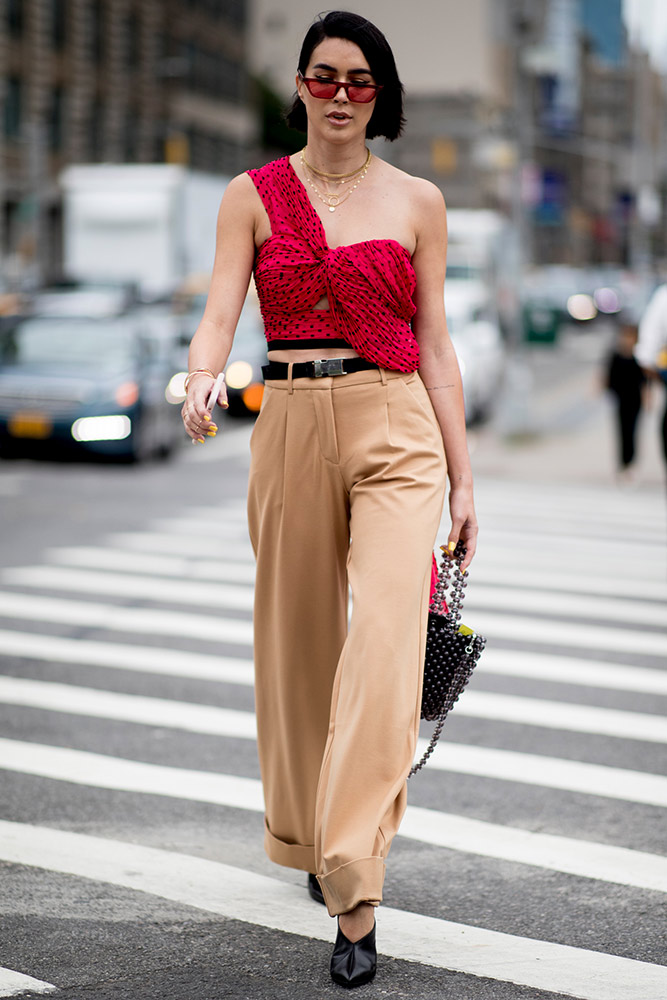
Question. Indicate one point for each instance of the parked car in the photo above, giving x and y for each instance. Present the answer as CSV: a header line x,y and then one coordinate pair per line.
x,y
557,294
475,330
87,383
243,371
91,299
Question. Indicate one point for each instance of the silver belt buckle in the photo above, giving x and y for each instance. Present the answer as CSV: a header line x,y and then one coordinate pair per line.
x,y
329,366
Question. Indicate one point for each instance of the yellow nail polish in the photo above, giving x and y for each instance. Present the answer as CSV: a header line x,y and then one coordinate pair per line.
x,y
210,434
225,406
200,440
451,546
206,416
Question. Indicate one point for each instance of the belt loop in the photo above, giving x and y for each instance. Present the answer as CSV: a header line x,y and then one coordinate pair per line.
x,y
290,380
383,375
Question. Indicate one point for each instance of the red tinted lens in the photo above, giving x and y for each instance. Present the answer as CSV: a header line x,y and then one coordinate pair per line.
x,y
361,95
327,89
322,88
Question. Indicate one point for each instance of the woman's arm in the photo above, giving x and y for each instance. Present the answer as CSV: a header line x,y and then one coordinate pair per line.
x,y
439,367
232,267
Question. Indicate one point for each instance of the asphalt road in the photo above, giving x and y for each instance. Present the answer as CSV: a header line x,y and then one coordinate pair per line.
x,y
532,862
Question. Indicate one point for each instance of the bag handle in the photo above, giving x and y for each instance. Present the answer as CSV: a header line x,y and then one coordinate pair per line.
x,y
450,620
456,589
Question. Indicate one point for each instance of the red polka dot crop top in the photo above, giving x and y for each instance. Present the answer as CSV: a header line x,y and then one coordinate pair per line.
x,y
369,285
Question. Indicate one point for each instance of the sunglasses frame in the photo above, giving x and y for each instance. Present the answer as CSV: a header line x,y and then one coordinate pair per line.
x,y
376,87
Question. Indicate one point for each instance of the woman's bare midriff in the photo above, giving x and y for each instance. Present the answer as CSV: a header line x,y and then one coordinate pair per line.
x,y
312,354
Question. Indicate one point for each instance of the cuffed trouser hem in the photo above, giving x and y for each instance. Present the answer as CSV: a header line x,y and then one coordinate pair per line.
x,y
300,856
356,882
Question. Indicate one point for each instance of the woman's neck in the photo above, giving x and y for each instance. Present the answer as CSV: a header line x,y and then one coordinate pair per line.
x,y
335,158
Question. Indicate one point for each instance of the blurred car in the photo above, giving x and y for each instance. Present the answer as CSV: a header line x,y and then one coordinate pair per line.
x,y
555,295
551,297
84,299
475,330
243,371
87,383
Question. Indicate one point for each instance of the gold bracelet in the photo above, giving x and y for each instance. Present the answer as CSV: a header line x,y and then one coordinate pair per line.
x,y
197,371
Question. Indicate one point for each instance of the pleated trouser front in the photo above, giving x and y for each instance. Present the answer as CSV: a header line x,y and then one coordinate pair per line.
x,y
346,485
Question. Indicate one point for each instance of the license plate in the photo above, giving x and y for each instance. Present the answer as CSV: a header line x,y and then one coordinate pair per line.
x,y
28,424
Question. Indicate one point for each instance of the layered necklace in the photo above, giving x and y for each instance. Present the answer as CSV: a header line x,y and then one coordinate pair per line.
x,y
335,199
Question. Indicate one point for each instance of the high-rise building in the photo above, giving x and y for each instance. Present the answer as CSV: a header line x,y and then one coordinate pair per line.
x,y
602,21
119,81
531,107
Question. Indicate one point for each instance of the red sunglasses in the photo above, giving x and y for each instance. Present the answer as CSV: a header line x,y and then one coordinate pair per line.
x,y
326,90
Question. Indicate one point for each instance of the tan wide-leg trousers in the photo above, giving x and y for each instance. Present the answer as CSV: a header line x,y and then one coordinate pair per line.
x,y
347,483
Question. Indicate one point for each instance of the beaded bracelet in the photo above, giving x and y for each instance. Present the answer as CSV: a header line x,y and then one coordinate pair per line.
x,y
197,371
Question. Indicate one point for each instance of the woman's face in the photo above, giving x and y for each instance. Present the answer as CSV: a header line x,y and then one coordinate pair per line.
x,y
338,119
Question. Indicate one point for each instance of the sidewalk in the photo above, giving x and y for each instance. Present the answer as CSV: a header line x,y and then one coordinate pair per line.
x,y
554,423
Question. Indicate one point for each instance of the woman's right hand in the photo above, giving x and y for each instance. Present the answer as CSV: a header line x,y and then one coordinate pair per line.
x,y
196,415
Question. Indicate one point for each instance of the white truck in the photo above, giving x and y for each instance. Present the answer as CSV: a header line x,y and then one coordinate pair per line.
x,y
149,224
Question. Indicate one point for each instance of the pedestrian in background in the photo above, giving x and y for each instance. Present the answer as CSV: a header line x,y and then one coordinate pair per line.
x,y
651,348
625,380
362,418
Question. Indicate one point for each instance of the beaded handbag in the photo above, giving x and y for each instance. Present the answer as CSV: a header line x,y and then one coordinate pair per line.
x,y
452,649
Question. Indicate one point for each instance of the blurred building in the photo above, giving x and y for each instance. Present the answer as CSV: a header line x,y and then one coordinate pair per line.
x,y
116,81
602,22
537,108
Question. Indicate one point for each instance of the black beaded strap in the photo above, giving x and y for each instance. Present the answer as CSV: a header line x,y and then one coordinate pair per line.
x,y
446,645
457,588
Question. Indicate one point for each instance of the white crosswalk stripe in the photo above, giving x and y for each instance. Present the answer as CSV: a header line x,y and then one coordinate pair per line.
x,y
225,890
240,598
545,631
13,984
227,722
557,627
181,545
123,656
204,666
459,833
91,557
119,619
212,595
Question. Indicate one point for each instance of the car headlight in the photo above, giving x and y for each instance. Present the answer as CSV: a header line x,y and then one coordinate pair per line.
x,y
238,375
581,306
252,397
175,391
115,427
607,300
127,394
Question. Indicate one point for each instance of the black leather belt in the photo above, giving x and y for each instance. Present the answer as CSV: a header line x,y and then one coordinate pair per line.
x,y
323,368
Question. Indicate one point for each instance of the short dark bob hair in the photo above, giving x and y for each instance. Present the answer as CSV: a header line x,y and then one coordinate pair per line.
x,y
387,119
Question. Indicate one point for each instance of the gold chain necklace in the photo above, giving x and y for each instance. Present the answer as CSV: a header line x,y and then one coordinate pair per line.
x,y
336,178
333,201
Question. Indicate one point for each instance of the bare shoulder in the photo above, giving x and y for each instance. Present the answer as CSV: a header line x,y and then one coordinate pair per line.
x,y
241,206
240,190
425,198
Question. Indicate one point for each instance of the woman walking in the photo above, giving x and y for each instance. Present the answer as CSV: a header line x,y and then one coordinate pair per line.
x,y
626,382
361,421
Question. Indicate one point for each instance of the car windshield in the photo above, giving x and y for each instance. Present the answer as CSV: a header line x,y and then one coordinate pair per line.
x,y
464,271
249,330
68,343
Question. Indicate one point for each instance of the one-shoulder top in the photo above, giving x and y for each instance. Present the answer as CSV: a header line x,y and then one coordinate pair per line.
x,y
368,285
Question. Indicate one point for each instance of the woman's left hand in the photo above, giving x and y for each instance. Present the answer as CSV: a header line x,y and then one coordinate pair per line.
x,y
464,522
